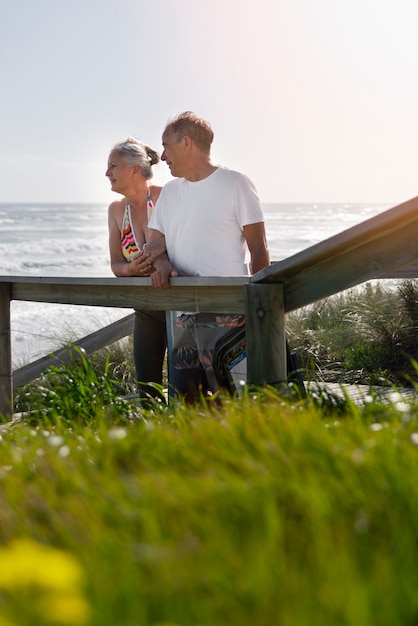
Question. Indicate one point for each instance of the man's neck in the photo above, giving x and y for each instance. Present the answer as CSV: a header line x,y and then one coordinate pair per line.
x,y
201,171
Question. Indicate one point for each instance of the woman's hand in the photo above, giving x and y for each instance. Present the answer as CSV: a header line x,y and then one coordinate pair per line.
x,y
149,253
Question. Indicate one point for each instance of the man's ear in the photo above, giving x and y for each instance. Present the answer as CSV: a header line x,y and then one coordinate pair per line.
x,y
188,143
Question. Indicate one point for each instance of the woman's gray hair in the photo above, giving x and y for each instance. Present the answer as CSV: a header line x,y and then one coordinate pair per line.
x,y
137,153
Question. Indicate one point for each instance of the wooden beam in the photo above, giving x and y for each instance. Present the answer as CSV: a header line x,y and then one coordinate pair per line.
x,y
209,294
405,272
369,250
265,334
6,380
89,344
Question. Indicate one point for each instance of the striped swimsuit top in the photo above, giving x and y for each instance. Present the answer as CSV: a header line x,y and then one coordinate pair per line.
x,y
128,241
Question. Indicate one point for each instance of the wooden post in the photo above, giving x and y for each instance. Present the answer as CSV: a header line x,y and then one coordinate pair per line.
x,y
265,333
6,380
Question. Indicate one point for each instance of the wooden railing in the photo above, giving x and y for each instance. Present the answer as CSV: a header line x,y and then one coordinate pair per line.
x,y
85,345
381,247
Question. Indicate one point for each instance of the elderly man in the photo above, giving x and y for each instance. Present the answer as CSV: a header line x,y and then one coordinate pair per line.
x,y
213,225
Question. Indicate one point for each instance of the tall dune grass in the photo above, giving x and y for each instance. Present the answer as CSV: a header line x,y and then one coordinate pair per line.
x,y
366,335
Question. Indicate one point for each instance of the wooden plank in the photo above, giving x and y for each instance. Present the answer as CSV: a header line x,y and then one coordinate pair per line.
x,y
265,334
407,271
366,251
89,344
180,281
218,295
6,381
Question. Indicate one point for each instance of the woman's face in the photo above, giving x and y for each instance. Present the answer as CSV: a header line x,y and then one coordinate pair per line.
x,y
119,173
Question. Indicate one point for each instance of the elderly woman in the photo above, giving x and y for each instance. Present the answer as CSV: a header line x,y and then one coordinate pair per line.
x,y
129,171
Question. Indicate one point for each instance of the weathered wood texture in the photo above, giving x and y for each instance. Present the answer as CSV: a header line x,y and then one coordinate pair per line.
x,y
89,344
408,271
369,250
217,295
265,334
6,381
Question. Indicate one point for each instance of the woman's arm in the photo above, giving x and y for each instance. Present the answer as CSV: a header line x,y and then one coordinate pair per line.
x,y
163,269
118,263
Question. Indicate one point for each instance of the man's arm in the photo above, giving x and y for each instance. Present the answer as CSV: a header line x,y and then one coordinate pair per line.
x,y
143,263
255,236
157,254
151,250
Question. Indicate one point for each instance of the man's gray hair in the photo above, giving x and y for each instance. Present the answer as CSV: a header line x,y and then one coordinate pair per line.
x,y
195,127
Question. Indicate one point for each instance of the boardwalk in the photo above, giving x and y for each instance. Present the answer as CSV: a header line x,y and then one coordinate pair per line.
x,y
360,394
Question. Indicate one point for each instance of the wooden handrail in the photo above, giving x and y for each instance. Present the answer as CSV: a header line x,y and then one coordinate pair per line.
x,y
371,249
219,295
88,344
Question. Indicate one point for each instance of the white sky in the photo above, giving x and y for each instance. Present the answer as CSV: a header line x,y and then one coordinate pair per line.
x,y
316,100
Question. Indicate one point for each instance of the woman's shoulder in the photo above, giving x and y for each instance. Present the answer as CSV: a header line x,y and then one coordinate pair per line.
x,y
117,206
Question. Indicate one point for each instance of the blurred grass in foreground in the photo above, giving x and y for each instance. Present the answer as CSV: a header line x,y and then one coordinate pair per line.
x,y
263,511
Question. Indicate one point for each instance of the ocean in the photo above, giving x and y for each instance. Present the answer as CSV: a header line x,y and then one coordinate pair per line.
x,y
71,240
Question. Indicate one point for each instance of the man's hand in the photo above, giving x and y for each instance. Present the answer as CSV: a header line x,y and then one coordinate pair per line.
x,y
144,260
160,278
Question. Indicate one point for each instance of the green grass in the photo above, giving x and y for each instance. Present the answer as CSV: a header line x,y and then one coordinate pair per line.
x,y
262,511
366,335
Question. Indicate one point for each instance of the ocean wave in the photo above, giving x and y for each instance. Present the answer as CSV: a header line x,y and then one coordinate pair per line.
x,y
79,265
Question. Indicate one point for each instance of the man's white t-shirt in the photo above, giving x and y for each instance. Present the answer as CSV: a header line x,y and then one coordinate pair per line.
x,y
202,223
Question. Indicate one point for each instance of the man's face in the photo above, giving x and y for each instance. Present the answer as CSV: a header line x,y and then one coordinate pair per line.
x,y
174,153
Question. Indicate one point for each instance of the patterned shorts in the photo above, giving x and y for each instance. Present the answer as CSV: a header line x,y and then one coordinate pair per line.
x,y
194,339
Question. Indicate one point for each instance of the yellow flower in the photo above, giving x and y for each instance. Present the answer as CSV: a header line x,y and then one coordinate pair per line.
x,y
51,580
24,562
64,608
